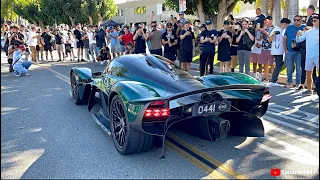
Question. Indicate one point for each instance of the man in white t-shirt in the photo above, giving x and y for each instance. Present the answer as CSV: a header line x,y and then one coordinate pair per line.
x,y
92,43
277,48
33,41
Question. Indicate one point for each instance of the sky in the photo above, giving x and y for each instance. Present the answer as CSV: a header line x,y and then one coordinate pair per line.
x,y
302,3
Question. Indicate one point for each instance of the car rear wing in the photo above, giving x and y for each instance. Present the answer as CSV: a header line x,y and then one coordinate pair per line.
x,y
239,87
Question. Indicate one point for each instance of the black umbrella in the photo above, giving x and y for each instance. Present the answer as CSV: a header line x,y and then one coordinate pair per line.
x,y
111,23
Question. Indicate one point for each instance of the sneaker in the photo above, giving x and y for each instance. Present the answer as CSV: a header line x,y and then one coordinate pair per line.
x,y
307,92
316,100
289,85
300,88
59,60
16,74
102,63
275,85
82,60
27,74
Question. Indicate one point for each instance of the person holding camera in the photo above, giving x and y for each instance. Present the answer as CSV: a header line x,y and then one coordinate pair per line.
x,y
312,50
169,41
20,61
59,44
292,50
245,39
256,55
277,49
186,47
70,42
15,36
234,45
208,39
103,54
224,48
33,36
140,38
266,58
46,41
78,37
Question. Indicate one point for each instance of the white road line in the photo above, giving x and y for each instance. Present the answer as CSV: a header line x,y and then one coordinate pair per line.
x,y
288,113
293,119
291,152
296,109
289,125
270,126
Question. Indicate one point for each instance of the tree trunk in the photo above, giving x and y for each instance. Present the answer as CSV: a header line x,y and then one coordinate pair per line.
x,y
225,8
41,25
314,2
264,8
277,12
73,21
99,19
293,9
200,12
90,20
286,9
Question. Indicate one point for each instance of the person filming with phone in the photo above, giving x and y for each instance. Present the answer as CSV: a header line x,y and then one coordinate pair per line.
x,y
293,50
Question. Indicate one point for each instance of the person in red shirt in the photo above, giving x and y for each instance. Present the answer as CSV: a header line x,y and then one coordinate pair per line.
x,y
127,37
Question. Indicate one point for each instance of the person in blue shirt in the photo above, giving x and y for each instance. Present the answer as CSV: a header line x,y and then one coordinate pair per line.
x,y
20,61
186,46
293,50
208,40
114,43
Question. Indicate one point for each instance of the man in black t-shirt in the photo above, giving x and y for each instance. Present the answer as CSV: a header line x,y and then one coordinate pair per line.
x,y
78,37
208,39
186,46
259,18
15,37
59,44
169,41
46,37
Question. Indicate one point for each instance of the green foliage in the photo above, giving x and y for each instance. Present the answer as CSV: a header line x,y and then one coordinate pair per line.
x,y
62,11
210,7
7,11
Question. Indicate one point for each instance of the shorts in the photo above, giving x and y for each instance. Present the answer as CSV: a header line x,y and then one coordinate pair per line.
x,y
122,48
171,57
186,56
47,47
80,44
266,58
255,57
224,55
310,64
115,49
233,51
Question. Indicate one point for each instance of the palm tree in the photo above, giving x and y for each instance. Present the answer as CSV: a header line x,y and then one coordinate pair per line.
x,y
304,11
264,7
286,9
277,12
237,8
293,9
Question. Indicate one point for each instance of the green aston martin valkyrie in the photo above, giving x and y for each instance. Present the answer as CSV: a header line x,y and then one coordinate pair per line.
x,y
138,97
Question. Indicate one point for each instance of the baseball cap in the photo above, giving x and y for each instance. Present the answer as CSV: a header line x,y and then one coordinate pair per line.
x,y
187,22
203,26
181,12
169,24
110,27
208,22
22,47
14,26
315,16
269,17
226,22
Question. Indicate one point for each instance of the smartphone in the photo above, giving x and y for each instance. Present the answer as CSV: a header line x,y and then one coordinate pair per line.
x,y
293,41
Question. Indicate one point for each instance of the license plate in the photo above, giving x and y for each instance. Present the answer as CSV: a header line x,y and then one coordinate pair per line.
x,y
211,108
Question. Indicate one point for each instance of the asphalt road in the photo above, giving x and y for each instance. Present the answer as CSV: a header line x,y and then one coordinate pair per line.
x,y
45,135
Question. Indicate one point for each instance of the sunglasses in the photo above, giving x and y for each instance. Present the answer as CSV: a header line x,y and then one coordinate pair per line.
x,y
297,19
168,26
153,26
314,20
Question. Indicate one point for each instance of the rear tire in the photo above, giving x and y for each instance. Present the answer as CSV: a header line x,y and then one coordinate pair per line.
x,y
132,141
75,87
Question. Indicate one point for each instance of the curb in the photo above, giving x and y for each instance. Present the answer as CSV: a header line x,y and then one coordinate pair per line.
x,y
281,79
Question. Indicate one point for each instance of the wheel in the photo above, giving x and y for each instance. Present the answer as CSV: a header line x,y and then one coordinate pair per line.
x,y
75,91
126,139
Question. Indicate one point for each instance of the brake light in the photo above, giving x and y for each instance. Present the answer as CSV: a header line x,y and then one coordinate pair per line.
x,y
266,96
157,110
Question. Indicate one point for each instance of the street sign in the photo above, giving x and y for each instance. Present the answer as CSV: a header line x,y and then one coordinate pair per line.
x,y
182,5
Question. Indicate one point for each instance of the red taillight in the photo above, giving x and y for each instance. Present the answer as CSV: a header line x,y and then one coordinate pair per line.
x,y
157,110
266,96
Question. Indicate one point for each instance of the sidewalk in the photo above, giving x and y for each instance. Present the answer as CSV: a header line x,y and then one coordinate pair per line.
x,y
281,79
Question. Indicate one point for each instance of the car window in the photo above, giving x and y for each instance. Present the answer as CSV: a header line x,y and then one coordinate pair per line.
x,y
116,68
